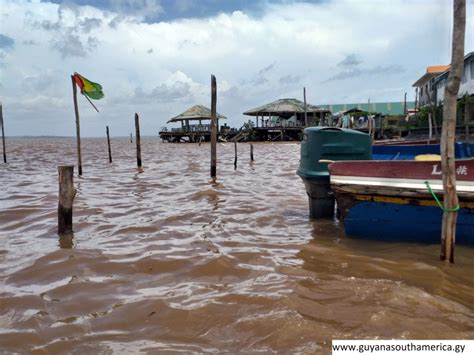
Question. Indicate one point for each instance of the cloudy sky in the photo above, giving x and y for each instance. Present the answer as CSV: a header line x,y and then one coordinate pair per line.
x,y
155,57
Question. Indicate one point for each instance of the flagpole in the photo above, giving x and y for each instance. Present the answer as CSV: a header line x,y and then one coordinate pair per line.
x,y
3,135
91,103
78,127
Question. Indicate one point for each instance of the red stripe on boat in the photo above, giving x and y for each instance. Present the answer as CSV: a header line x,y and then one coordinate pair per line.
x,y
402,169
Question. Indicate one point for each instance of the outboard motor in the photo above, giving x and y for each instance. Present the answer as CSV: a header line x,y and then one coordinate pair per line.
x,y
328,144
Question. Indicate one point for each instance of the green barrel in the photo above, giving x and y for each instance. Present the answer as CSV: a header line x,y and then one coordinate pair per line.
x,y
329,143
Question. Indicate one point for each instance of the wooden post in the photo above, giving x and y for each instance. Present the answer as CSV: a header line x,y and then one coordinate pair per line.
x,y
433,113
381,126
108,143
78,126
416,99
137,139
405,106
466,123
235,155
251,152
213,127
131,138
305,110
66,197
369,123
430,128
451,202
405,111
3,135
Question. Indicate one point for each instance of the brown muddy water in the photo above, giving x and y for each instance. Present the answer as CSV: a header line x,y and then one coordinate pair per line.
x,y
166,261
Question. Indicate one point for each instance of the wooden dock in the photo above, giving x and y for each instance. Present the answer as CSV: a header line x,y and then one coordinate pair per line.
x,y
257,134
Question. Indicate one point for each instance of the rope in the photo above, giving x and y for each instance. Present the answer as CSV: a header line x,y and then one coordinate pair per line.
x,y
455,209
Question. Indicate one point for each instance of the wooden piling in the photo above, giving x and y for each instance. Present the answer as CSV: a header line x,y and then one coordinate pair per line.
x,y
466,124
450,200
381,128
405,106
430,128
131,138
235,155
78,126
137,138
3,135
66,198
108,143
213,127
251,152
369,122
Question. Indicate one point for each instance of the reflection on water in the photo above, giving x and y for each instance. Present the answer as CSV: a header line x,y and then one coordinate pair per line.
x,y
166,259
66,241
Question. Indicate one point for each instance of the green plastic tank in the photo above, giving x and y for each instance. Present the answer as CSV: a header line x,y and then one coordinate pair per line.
x,y
328,143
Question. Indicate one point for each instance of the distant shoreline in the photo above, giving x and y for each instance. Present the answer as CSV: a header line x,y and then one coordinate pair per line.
x,y
74,137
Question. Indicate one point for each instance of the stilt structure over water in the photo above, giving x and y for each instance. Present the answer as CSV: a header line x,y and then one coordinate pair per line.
x,y
193,132
285,119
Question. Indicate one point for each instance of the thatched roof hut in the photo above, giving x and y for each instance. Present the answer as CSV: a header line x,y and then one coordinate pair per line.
x,y
195,113
286,108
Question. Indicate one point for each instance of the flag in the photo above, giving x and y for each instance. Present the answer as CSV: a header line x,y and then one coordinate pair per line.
x,y
88,88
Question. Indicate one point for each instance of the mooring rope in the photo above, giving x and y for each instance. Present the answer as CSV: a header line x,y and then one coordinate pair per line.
x,y
455,209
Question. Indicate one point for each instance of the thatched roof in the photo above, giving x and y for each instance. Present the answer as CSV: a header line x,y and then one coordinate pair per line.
x,y
284,107
197,112
352,110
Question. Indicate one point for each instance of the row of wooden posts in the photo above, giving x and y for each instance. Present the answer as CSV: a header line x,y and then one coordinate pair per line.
x,y
66,172
138,143
66,184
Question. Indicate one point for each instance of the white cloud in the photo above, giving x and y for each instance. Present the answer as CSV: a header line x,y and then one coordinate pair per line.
x,y
160,69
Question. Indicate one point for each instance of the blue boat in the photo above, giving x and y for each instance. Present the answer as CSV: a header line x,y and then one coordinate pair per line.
x,y
409,151
395,200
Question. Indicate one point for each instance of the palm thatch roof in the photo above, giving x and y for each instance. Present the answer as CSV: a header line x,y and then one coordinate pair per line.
x,y
284,107
197,112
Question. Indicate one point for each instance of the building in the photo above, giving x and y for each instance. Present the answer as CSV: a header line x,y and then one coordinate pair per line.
x,y
193,128
467,80
197,113
384,108
425,87
287,112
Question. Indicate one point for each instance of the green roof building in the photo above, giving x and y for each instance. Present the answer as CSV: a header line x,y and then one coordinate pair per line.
x,y
384,108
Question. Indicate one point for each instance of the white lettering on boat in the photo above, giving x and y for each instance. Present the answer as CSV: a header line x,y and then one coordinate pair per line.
x,y
460,170
435,170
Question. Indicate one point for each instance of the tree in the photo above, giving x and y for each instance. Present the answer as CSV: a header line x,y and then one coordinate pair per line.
x,y
448,231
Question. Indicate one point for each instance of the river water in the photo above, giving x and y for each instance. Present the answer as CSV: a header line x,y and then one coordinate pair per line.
x,y
164,260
